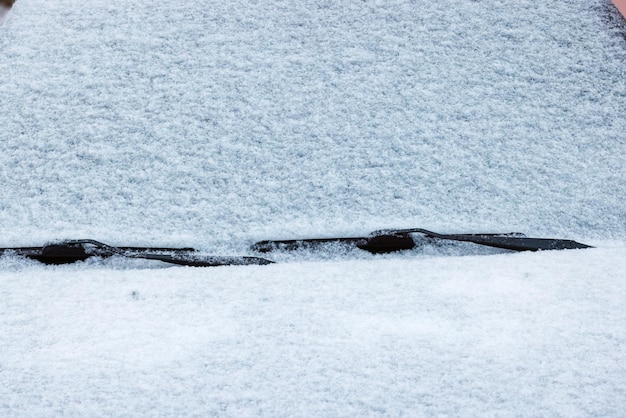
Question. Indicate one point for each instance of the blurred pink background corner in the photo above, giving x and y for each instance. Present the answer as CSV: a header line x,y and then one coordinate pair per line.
x,y
621,5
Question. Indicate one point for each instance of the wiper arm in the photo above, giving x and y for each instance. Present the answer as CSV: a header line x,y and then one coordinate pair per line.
x,y
390,240
79,250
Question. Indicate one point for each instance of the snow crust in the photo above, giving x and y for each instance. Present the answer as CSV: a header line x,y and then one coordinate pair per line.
x,y
216,124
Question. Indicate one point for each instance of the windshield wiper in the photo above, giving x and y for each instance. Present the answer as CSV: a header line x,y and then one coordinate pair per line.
x,y
382,241
79,250
390,240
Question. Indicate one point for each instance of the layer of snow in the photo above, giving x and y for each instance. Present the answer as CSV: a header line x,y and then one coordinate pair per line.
x,y
502,335
214,124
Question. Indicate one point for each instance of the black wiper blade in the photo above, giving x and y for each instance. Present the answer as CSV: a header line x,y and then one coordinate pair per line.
x,y
390,240
79,250
382,241
205,261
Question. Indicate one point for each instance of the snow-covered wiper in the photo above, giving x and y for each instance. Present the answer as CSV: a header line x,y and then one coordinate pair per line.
x,y
389,240
79,250
382,241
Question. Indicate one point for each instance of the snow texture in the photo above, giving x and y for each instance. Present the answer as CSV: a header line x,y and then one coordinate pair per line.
x,y
502,335
215,124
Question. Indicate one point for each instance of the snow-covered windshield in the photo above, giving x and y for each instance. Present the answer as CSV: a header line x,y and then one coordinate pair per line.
x,y
217,123
214,126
